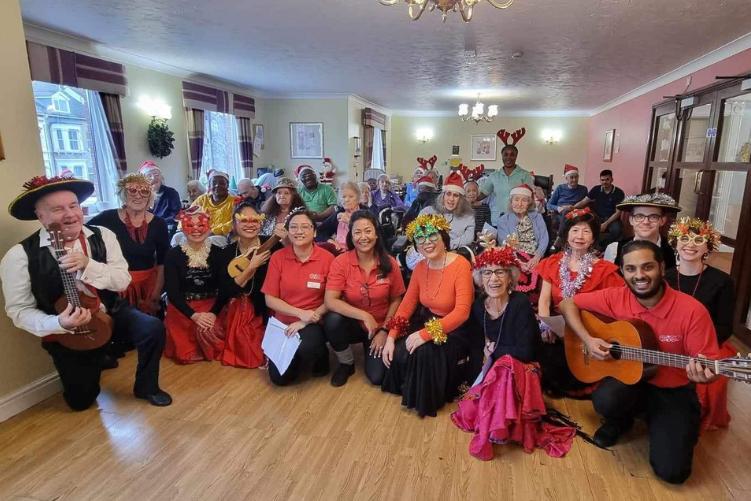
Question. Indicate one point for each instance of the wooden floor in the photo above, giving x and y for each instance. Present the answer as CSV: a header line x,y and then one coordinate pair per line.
x,y
231,435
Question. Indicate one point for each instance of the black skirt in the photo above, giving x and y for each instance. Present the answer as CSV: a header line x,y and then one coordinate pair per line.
x,y
433,374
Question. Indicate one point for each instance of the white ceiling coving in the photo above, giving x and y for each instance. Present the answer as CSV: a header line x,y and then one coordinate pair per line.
x,y
577,54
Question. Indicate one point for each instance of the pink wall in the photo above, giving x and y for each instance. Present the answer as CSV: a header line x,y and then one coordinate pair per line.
x,y
631,121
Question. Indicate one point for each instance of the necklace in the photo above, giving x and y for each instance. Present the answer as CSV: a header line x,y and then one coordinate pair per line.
x,y
485,324
570,287
698,281
440,280
197,258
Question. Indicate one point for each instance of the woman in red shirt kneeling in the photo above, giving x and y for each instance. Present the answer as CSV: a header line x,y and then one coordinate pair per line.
x,y
436,351
294,288
363,290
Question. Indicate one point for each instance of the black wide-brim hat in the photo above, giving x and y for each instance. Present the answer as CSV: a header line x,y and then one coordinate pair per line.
x,y
23,206
659,200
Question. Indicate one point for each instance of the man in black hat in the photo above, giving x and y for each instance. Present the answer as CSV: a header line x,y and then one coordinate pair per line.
x,y
32,280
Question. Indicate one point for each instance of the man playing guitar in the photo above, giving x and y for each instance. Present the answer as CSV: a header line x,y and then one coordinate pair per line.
x,y
682,326
36,271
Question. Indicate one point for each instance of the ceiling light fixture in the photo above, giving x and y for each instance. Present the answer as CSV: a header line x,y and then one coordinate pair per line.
x,y
478,112
463,7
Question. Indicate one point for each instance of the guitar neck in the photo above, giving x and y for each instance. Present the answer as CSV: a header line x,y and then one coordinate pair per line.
x,y
269,244
655,357
69,282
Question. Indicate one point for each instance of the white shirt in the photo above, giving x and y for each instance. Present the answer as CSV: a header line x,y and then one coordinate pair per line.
x,y
20,304
611,251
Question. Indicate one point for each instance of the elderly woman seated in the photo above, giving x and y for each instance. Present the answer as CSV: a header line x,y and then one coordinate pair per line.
x,y
453,205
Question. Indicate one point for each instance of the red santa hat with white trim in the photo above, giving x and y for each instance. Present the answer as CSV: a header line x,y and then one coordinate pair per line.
x,y
426,181
454,182
522,189
302,168
570,169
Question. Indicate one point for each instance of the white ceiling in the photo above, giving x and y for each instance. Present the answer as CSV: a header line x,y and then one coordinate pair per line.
x,y
578,54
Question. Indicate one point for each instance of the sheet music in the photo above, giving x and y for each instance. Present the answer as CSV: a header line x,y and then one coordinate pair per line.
x,y
279,347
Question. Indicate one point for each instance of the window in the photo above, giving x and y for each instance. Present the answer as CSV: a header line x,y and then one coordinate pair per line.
x,y
377,160
60,103
221,146
78,143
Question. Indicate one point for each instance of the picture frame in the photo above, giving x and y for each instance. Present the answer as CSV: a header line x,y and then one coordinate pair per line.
x,y
483,147
258,141
2,151
306,139
607,150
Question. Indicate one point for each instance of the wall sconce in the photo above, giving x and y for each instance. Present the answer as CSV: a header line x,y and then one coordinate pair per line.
x,y
551,136
424,135
358,151
155,107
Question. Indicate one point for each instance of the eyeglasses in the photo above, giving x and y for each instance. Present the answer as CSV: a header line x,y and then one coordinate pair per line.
x,y
696,239
433,237
301,227
500,272
133,191
652,218
365,293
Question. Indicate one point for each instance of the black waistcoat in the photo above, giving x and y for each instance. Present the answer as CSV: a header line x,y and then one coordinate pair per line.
x,y
44,271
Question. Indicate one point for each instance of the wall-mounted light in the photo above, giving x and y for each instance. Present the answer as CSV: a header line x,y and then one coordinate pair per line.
x,y
551,136
424,134
356,141
155,107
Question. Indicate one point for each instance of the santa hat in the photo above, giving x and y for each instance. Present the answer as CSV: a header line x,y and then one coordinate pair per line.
x,y
570,169
454,182
302,168
522,189
147,166
426,181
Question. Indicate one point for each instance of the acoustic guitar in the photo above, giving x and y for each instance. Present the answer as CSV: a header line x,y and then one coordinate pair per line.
x,y
241,262
99,330
635,356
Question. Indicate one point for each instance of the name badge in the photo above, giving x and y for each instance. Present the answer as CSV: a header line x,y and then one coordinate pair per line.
x,y
314,285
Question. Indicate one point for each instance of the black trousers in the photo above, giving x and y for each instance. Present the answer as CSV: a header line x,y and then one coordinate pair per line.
x,y
312,351
80,371
342,331
673,419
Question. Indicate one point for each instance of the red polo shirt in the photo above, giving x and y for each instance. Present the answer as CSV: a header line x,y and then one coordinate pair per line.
x,y
372,293
681,325
301,285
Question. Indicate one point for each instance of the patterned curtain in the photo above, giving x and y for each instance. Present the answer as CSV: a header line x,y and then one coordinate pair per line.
x,y
114,115
195,140
370,119
367,141
245,137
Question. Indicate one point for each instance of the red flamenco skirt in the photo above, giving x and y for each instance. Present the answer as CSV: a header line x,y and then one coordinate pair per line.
x,y
186,343
713,397
242,345
138,293
507,406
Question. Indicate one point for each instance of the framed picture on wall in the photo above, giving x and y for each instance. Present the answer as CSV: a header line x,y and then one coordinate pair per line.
x,y
607,151
306,139
483,147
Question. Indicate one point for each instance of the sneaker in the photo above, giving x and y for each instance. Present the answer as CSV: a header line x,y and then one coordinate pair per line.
x,y
342,374
608,434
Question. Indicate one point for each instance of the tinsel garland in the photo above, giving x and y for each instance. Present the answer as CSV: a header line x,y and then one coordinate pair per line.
x,y
570,287
435,329
399,324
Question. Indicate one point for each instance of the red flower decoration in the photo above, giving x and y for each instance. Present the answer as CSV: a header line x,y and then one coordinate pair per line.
x,y
399,324
578,213
496,256
39,181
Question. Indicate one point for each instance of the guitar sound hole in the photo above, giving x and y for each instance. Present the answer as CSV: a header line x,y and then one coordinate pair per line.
x,y
615,350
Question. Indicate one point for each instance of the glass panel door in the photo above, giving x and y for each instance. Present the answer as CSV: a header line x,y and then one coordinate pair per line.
x,y
688,191
665,128
735,140
695,136
725,214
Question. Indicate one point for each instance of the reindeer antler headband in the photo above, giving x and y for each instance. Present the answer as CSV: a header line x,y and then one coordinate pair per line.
x,y
471,174
515,136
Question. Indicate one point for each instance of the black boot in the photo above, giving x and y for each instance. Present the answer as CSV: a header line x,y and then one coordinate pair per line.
x,y
342,374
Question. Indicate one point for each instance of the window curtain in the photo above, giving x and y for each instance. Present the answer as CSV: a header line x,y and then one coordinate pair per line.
x,y
372,120
105,153
195,140
245,137
377,150
114,120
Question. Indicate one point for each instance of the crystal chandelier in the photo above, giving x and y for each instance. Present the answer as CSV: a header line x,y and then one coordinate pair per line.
x,y
478,112
463,7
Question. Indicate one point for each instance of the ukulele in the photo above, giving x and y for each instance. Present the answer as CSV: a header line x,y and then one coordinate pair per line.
x,y
241,262
99,330
635,354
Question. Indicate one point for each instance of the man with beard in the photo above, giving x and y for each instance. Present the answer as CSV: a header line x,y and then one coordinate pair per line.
x,y
681,326
319,198
501,182
33,281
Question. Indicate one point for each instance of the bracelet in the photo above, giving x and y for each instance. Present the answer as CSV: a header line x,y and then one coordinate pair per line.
x,y
384,329
435,329
399,324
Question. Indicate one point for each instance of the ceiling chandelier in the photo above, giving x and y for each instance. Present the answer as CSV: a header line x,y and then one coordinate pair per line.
x,y
478,112
463,7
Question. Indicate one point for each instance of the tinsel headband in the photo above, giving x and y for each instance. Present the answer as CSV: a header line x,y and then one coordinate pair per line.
x,y
686,225
574,213
496,256
427,224
133,178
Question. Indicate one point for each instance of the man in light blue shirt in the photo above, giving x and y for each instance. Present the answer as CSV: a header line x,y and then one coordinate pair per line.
x,y
501,182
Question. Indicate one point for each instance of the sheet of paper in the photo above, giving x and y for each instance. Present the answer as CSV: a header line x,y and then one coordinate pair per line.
x,y
556,324
279,347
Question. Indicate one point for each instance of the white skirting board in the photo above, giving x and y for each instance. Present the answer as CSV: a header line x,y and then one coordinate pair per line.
x,y
31,394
